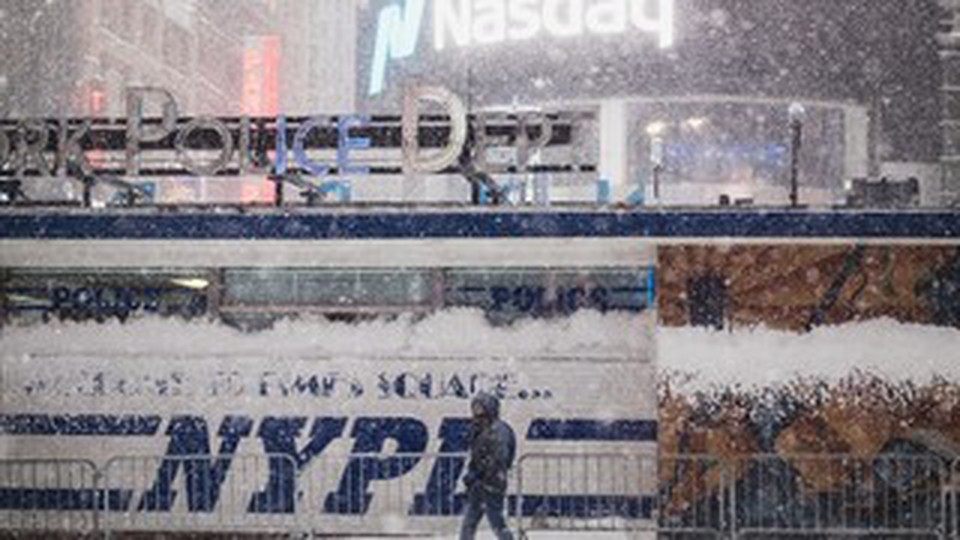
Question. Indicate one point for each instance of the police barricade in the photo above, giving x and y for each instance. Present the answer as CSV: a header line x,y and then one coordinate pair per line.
x,y
679,497
951,501
889,495
375,494
585,492
694,496
198,494
48,498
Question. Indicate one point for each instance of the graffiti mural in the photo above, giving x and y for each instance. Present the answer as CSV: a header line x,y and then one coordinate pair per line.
x,y
801,287
800,290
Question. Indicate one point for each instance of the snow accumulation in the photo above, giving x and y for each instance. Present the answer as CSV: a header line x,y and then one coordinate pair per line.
x,y
760,357
458,333
702,358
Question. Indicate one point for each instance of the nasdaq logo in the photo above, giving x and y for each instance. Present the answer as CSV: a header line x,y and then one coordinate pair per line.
x,y
398,32
465,23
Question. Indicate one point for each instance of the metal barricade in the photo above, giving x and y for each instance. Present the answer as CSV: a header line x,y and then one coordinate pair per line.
x,y
370,494
757,496
886,495
337,493
695,499
46,498
585,492
951,502
199,494
675,497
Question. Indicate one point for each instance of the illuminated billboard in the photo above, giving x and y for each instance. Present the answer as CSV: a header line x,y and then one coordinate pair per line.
x,y
871,53
466,23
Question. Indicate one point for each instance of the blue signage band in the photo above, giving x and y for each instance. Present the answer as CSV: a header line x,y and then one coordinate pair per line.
x,y
932,225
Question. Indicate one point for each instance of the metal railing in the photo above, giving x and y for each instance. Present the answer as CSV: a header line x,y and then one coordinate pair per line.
x,y
585,492
694,498
886,495
951,502
359,493
202,493
49,497
368,494
756,496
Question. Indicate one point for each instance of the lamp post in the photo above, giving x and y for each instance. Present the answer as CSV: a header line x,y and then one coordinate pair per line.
x,y
656,131
796,113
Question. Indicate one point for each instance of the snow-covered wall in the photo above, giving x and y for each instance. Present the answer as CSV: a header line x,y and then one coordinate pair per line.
x,y
808,348
783,348
320,391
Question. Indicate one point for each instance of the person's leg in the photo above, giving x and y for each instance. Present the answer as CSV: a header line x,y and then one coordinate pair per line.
x,y
494,507
472,515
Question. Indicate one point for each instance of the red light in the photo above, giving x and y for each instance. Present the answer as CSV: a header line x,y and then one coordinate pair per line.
x,y
261,97
261,76
271,75
98,101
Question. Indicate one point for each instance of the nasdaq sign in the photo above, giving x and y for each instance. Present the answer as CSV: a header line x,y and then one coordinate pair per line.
x,y
465,23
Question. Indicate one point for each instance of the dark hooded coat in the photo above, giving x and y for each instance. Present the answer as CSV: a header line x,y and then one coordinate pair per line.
x,y
493,447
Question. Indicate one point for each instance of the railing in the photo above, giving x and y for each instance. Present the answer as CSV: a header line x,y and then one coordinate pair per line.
x,y
585,492
358,493
889,496
679,497
203,493
694,496
759,496
886,495
370,494
951,501
48,497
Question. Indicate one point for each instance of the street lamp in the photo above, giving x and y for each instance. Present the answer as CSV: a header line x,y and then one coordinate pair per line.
x,y
656,131
796,113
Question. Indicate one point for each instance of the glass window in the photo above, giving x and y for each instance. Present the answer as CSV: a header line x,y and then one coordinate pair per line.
x,y
326,289
82,295
505,295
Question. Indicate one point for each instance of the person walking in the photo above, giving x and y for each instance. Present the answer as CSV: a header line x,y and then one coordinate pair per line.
x,y
493,447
